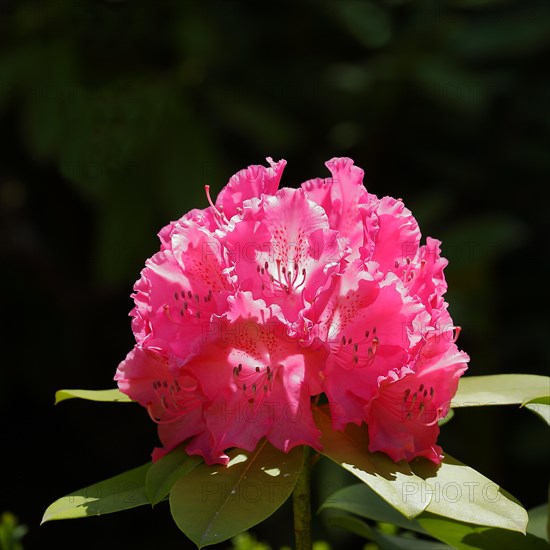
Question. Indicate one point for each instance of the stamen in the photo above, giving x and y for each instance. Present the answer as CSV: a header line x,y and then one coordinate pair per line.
x,y
219,216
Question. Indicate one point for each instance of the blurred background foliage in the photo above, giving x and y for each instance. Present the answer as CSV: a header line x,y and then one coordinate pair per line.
x,y
114,114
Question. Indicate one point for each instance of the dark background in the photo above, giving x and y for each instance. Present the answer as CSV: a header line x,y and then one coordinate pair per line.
x,y
113,116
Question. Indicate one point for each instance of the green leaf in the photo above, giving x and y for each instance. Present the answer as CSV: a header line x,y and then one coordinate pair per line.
x,y
390,480
500,389
540,409
539,522
446,418
117,493
461,493
540,406
360,499
545,400
352,524
214,503
114,395
166,471
464,536
384,541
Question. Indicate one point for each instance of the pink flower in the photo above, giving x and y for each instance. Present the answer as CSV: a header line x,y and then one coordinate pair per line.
x,y
270,297
402,416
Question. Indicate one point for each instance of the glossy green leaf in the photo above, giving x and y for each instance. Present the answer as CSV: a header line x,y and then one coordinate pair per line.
x,y
214,503
390,480
459,492
500,389
117,493
113,395
464,536
165,472
360,499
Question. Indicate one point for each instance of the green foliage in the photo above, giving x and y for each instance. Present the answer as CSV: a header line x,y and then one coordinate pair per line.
x,y
361,501
502,389
247,541
539,521
528,390
349,449
214,503
114,395
461,493
166,471
117,493
450,502
11,532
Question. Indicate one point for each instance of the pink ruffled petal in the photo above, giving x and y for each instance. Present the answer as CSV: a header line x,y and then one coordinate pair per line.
x,y
253,181
341,197
398,234
269,297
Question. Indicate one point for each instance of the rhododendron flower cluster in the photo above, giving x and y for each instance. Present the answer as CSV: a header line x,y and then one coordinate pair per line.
x,y
269,297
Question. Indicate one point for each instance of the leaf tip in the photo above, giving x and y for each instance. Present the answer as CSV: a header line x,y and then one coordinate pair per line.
x,y
46,517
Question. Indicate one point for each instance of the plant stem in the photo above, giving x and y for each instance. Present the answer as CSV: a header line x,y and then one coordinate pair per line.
x,y
301,497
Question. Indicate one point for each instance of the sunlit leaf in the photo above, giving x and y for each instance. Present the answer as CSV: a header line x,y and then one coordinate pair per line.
x,y
542,410
214,503
500,389
360,499
387,478
461,493
113,395
166,471
465,536
117,493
